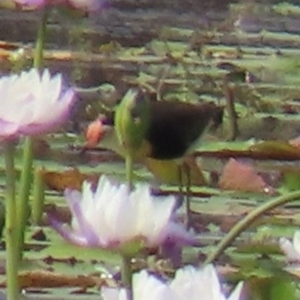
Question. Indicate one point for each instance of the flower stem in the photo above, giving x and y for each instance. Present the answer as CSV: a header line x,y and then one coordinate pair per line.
x,y
126,272
26,173
129,169
11,225
38,197
23,199
248,220
40,41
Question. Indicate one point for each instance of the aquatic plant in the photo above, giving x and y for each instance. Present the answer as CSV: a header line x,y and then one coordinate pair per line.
x,y
291,249
189,283
33,103
85,5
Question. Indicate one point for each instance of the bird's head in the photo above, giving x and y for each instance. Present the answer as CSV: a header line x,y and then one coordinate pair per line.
x,y
211,114
217,117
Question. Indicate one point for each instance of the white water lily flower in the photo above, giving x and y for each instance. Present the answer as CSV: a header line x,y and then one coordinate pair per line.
x,y
291,249
33,103
189,283
113,216
193,284
145,287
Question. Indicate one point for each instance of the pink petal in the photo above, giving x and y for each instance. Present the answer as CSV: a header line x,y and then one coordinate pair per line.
x,y
67,233
31,3
88,5
178,234
8,130
84,228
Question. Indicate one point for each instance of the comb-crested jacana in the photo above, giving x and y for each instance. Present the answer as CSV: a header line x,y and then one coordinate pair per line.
x,y
174,130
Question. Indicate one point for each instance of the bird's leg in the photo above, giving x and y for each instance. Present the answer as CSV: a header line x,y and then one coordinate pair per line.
x,y
184,169
187,171
180,184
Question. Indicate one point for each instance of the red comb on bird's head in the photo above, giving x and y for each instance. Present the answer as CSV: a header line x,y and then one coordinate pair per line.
x,y
94,133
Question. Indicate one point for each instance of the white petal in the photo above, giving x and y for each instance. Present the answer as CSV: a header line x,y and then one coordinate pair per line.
x,y
197,284
53,88
236,294
162,212
147,287
296,241
114,294
289,250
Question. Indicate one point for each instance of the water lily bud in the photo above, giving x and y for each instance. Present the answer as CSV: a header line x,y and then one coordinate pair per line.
x,y
132,120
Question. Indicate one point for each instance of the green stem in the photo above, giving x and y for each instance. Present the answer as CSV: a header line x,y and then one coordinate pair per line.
x,y
23,199
38,197
129,169
40,41
126,272
248,220
232,115
26,173
11,225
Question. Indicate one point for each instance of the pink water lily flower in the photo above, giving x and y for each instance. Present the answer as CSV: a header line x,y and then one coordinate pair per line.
x,y
33,103
85,5
36,4
189,283
31,3
88,5
113,216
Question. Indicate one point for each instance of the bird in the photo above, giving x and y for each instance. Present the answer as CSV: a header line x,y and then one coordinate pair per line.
x,y
175,130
